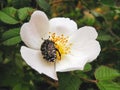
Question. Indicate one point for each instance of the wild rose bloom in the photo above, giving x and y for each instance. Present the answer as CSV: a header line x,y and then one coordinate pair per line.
x,y
72,47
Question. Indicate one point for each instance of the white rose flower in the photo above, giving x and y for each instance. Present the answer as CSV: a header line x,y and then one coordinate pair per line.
x,y
56,45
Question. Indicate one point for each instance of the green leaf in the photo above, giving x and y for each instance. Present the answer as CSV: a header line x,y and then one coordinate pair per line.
x,y
104,37
80,74
17,87
7,16
11,37
21,3
43,4
87,67
105,73
12,41
108,2
10,33
10,75
108,85
10,11
20,87
23,13
18,61
1,53
68,82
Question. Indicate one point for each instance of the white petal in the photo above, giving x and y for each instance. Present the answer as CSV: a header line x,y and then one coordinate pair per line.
x,y
79,56
34,59
30,36
84,34
62,26
90,49
70,63
40,21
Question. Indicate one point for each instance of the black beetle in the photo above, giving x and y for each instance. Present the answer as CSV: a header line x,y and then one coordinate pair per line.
x,y
49,51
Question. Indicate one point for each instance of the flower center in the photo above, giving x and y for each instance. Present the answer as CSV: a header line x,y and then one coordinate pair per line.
x,y
61,44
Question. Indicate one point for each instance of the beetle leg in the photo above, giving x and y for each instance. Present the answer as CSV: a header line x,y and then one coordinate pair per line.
x,y
58,53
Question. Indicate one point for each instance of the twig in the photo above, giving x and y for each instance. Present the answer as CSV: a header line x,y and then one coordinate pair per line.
x,y
88,80
110,30
51,82
54,84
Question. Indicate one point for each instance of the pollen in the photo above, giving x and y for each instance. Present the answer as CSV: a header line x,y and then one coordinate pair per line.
x,y
61,43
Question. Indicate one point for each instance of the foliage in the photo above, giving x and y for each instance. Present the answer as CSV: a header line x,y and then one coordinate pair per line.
x,y
102,74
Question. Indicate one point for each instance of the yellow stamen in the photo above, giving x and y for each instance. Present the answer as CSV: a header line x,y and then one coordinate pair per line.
x,y
61,43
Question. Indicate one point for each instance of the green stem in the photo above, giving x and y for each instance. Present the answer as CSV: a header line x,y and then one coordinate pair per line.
x,y
88,80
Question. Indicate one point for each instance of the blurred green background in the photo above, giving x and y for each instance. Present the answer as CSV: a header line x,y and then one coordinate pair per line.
x,y
102,74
